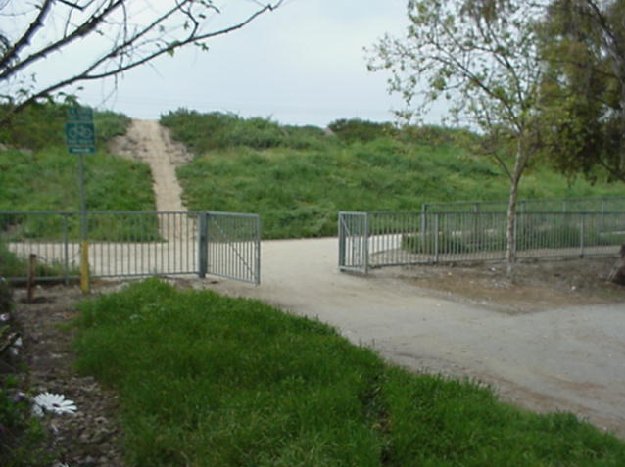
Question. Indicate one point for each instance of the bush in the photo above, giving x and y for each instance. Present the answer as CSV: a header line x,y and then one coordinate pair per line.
x,y
355,129
215,131
447,244
436,135
532,237
42,125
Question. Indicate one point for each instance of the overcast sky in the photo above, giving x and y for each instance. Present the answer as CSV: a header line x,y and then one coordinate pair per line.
x,y
302,64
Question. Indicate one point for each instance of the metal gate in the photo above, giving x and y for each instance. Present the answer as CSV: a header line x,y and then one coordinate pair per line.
x,y
353,241
131,243
230,246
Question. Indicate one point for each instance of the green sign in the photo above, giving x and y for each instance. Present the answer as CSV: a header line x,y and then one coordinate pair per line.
x,y
80,131
80,137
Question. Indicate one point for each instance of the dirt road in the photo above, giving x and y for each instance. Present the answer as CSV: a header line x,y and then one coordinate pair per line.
x,y
569,359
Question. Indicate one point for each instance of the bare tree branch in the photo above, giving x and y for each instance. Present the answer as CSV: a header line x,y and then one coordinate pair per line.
x,y
180,24
12,52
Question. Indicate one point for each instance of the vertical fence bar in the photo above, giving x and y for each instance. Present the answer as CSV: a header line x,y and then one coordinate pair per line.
x,y
582,233
341,228
257,246
436,223
65,249
203,244
365,251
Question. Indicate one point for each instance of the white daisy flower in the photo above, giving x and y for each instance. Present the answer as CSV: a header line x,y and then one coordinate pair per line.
x,y
54,403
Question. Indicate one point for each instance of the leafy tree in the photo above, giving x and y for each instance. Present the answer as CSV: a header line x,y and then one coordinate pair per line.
x,y
120,35
482,57
583,43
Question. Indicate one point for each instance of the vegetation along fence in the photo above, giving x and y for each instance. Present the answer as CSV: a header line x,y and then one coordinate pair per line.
x,y
595,204
376,239
128,243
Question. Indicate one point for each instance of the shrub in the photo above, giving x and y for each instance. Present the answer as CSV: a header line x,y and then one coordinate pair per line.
x,y
42,125
214,131
356,129
436,135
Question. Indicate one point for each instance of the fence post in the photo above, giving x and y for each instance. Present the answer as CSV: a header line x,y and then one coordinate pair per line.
x,y
66,247
341,241
259,228
423,222
85,280
581,234
366,245
202,247
436,223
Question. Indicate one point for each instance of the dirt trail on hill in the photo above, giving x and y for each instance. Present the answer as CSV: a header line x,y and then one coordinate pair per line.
x,y
148,141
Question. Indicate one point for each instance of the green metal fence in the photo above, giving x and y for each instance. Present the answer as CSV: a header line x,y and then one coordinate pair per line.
x,y
132,243
378,239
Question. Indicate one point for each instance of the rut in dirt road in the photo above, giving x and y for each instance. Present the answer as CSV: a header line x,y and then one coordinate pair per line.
x,y
148,141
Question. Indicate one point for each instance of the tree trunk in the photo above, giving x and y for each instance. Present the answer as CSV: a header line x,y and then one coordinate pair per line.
x,y
519,165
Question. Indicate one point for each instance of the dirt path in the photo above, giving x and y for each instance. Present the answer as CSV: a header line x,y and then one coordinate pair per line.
x,y
149,141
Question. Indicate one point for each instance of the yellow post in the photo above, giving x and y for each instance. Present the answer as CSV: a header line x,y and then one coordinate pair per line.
x,y
84,267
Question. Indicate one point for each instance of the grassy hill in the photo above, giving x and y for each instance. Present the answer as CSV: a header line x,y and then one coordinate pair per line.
x,y
38,173
297,178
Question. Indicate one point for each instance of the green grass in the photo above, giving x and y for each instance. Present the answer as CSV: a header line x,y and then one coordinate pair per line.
x,y
42,126
298,178
206,132
48,180
208,380
298,193
38,174
528,238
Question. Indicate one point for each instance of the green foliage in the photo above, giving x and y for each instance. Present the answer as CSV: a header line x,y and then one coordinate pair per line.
x,y
530,236
208,380
583,104
21,436
12,266
109,125
47,180
440,422
298,193
37,174
206,132
227,382
42,126
36,127
355,129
